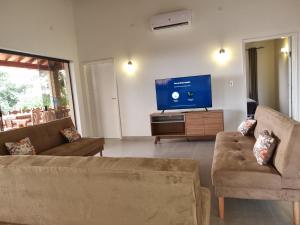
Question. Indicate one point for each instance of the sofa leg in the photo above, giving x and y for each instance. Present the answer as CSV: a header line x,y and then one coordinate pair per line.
x,y
101,154
296,213
221,207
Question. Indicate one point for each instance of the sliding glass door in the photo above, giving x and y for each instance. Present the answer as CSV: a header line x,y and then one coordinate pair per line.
x,y
56,86
33,90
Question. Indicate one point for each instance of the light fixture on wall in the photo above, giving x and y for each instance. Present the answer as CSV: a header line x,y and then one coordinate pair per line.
x,y
222,51
285,50
130,67
222,56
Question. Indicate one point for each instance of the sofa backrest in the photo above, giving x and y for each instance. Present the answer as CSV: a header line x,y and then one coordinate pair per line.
x,y
42,136
287,132
52,190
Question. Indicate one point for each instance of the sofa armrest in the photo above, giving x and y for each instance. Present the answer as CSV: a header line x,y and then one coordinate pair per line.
x,y
205,205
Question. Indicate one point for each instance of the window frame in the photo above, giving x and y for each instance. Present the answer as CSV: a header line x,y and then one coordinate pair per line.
x,y
5,51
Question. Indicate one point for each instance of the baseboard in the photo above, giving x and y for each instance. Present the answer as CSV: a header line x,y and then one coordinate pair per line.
x,y
137,138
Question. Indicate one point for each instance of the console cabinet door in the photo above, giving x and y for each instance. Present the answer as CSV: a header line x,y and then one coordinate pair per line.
x,y
194,124
213,123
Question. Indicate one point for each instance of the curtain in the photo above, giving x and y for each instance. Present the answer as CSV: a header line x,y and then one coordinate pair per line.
x,y
253,93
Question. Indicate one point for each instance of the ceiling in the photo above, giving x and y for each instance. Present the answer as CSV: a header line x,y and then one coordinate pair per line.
x,y
21,61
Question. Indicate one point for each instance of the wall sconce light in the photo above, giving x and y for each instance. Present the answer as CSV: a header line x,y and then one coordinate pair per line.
x,y
222,51
130,67
222,56
285,50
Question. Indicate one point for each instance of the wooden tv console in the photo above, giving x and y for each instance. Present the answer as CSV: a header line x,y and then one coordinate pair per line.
x,y
187,124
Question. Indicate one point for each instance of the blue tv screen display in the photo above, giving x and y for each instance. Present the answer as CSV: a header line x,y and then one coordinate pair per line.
x,y
184,92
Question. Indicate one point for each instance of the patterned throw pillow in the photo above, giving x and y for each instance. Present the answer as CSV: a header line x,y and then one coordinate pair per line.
x,y
264,147
247,126
71,134
22,147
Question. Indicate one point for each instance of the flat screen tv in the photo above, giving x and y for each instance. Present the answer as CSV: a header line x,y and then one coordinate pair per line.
x,y
184,92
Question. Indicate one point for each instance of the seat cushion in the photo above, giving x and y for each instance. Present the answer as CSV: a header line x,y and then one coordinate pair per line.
x,y
82,147
234,164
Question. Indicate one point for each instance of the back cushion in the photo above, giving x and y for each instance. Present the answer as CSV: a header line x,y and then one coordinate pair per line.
x,y
287,132
43,137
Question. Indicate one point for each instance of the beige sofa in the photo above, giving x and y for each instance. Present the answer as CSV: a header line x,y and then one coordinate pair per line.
x,y
48,190
236,174
47,140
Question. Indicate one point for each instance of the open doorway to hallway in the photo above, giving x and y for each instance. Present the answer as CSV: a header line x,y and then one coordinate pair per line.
x,y
271,79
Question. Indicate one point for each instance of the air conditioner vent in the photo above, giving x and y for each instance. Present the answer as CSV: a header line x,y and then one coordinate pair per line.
x,y
172,19
171,25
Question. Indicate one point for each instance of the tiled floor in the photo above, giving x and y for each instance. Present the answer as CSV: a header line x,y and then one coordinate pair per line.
x,y
237,211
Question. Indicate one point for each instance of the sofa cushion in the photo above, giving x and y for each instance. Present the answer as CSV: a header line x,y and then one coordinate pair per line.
x,y
247,127
71,134
264,147
82,147
22,147
234,164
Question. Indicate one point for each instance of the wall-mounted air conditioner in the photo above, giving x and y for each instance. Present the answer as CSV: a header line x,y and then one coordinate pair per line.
x,y
171,19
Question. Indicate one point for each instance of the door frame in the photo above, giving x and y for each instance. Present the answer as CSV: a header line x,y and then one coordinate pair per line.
x,y
295,79
96,62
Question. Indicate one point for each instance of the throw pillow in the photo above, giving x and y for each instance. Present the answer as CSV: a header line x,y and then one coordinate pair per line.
x,y
22,147
71,134
264,147
247,126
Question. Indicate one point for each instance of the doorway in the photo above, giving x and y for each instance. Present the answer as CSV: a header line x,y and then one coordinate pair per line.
x,y
271,77
102,99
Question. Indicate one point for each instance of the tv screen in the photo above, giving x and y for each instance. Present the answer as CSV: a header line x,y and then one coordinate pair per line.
x,y
184,92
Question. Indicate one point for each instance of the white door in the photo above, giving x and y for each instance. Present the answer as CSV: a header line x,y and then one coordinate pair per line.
x,y
103,99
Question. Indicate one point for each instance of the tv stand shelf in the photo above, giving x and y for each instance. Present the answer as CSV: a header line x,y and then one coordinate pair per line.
x,y
186,124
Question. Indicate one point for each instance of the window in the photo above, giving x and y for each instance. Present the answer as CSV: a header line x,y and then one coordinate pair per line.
x,y
33,90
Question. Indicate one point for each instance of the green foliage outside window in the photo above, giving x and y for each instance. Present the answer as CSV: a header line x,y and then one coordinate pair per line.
x,y
10,93
63,101
33,91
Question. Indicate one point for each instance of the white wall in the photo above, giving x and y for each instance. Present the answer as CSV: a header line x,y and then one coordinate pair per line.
x,y
282,73
43,27
120,29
